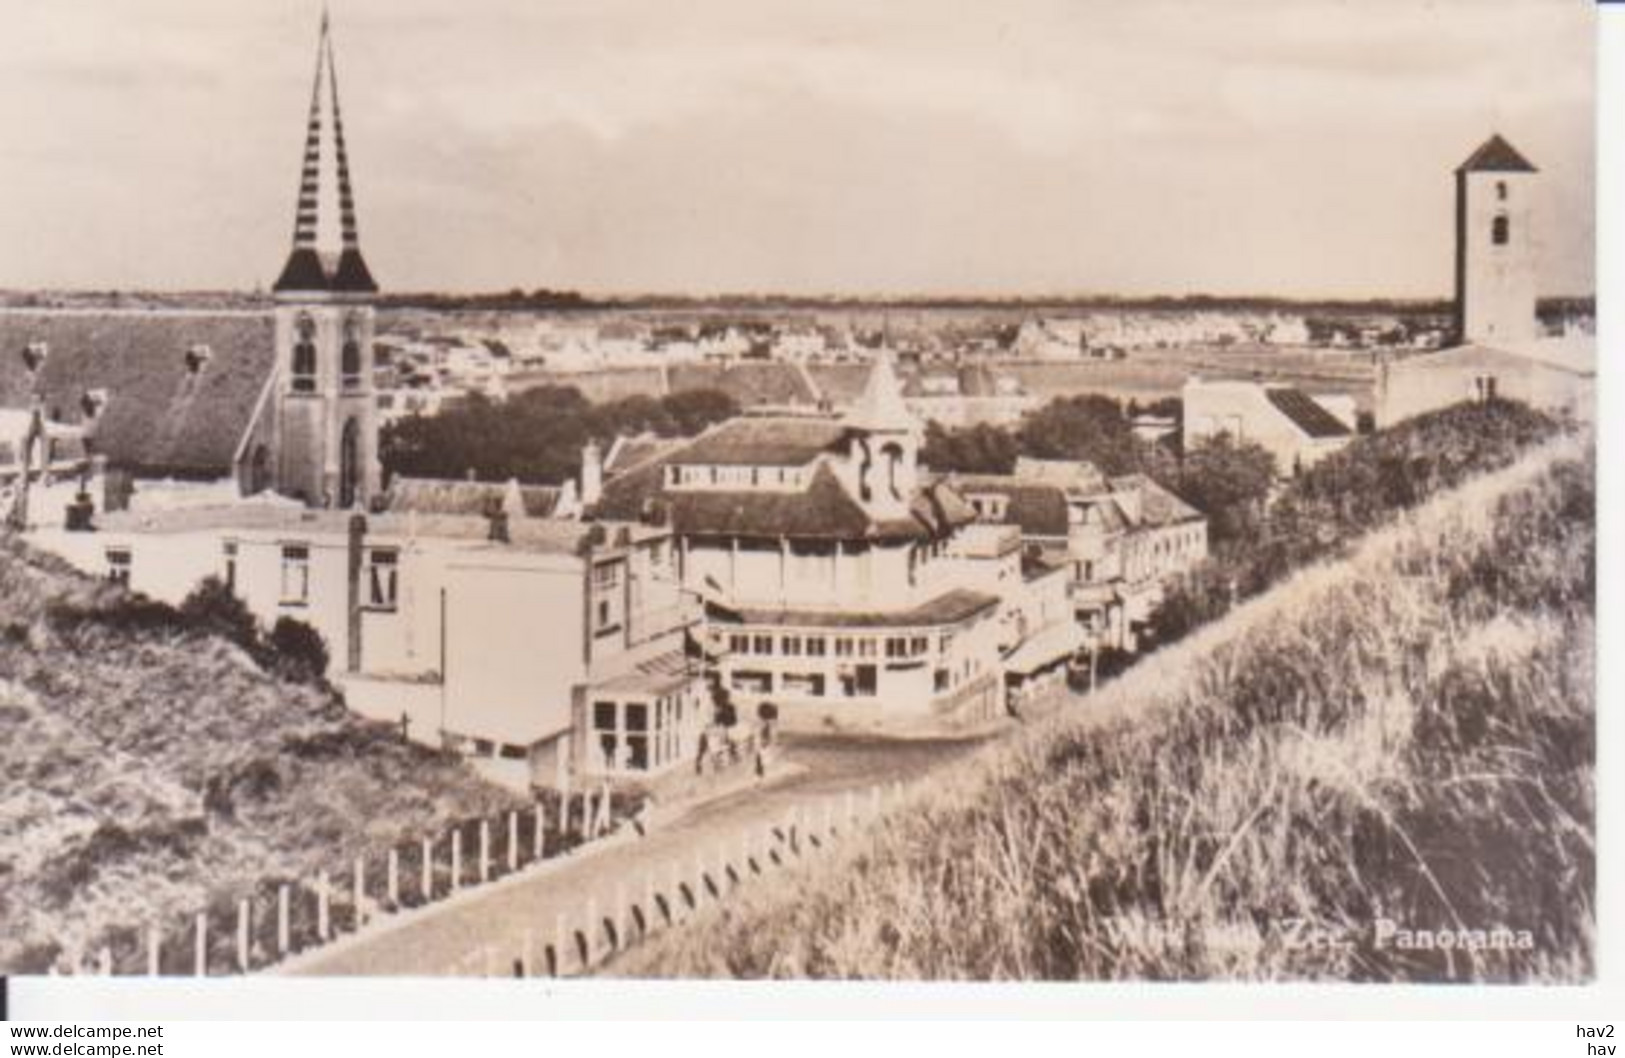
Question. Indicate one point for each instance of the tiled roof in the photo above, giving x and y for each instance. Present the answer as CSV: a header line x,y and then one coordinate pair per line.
x,y
440,496
950,608
1039,508
768,382
1496,155
824,510
765,441
1305,412
1158,506
159,417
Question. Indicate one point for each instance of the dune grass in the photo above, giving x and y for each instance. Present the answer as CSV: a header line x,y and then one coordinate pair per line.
x,y
149,770
1380,770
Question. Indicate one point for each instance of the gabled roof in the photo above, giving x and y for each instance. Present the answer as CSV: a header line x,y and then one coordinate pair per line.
x,y
159,418
880,406
1496,155
748,440
1158,506
1306,413
768,382
1039,508
628,453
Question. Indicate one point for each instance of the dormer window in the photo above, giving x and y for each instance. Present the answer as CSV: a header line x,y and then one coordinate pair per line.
x,y
302,371
195,358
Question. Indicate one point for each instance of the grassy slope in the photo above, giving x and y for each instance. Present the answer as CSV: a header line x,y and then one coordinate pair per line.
x,y
1406,733
144,773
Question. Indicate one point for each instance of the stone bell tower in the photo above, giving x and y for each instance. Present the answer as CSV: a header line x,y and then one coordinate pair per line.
x,y
1495,246
323,423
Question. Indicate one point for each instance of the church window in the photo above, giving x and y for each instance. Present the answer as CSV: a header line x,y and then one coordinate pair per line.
x,y
303,369
1501,190
350,354
1500,230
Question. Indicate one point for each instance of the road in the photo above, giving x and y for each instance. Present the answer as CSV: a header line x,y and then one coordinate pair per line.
x,y
482,930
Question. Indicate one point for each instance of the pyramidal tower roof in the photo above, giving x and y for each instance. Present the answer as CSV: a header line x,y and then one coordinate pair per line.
x,y
881,405
1496,155
326,255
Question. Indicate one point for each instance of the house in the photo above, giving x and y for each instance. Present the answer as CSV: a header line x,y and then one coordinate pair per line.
x,y
550,649
839,585
1118,541
1297,429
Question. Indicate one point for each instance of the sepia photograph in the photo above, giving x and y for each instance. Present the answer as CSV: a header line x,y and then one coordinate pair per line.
x,y
1038,491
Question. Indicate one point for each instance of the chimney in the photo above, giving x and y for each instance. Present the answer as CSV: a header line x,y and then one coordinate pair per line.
x,y
357,537
592,473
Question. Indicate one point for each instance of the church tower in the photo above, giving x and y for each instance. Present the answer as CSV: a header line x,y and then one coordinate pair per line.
x,y
1495,246
323,423
884,440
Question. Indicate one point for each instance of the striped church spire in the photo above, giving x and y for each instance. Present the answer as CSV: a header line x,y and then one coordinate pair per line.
x,y
322,259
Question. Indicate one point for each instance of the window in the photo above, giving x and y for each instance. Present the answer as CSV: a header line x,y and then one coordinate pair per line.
x,y
764,645
791,646
295,575
302,372
382,578
843,647
918,645
350,354
739,644
866,648
1500,230
1501,190
815,646
896,647
118,565
606,575
637,736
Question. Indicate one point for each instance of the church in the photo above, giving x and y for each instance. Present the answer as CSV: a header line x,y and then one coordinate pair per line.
x,y
181,407
1499,350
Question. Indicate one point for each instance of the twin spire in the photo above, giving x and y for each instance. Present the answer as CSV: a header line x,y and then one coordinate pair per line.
x,y
324,260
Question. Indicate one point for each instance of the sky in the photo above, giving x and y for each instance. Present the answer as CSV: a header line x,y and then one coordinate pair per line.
x,y
1299,148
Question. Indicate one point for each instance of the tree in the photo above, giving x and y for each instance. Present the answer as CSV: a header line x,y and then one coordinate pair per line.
x,y
1229,482
979,449
1088,427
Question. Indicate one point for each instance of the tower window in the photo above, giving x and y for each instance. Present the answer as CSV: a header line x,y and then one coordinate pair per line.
x,y
1500,230
1501,190
350,354
302,371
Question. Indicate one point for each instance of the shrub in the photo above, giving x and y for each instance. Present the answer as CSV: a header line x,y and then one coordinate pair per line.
x,y
297,651
213,607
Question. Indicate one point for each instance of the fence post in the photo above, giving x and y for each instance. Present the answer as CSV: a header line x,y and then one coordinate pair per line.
x,y
282,920
485,850
456,858
324,922
592,928
513,841
428,870
360,899
394,871
539,838
154,950
244,910
200,954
